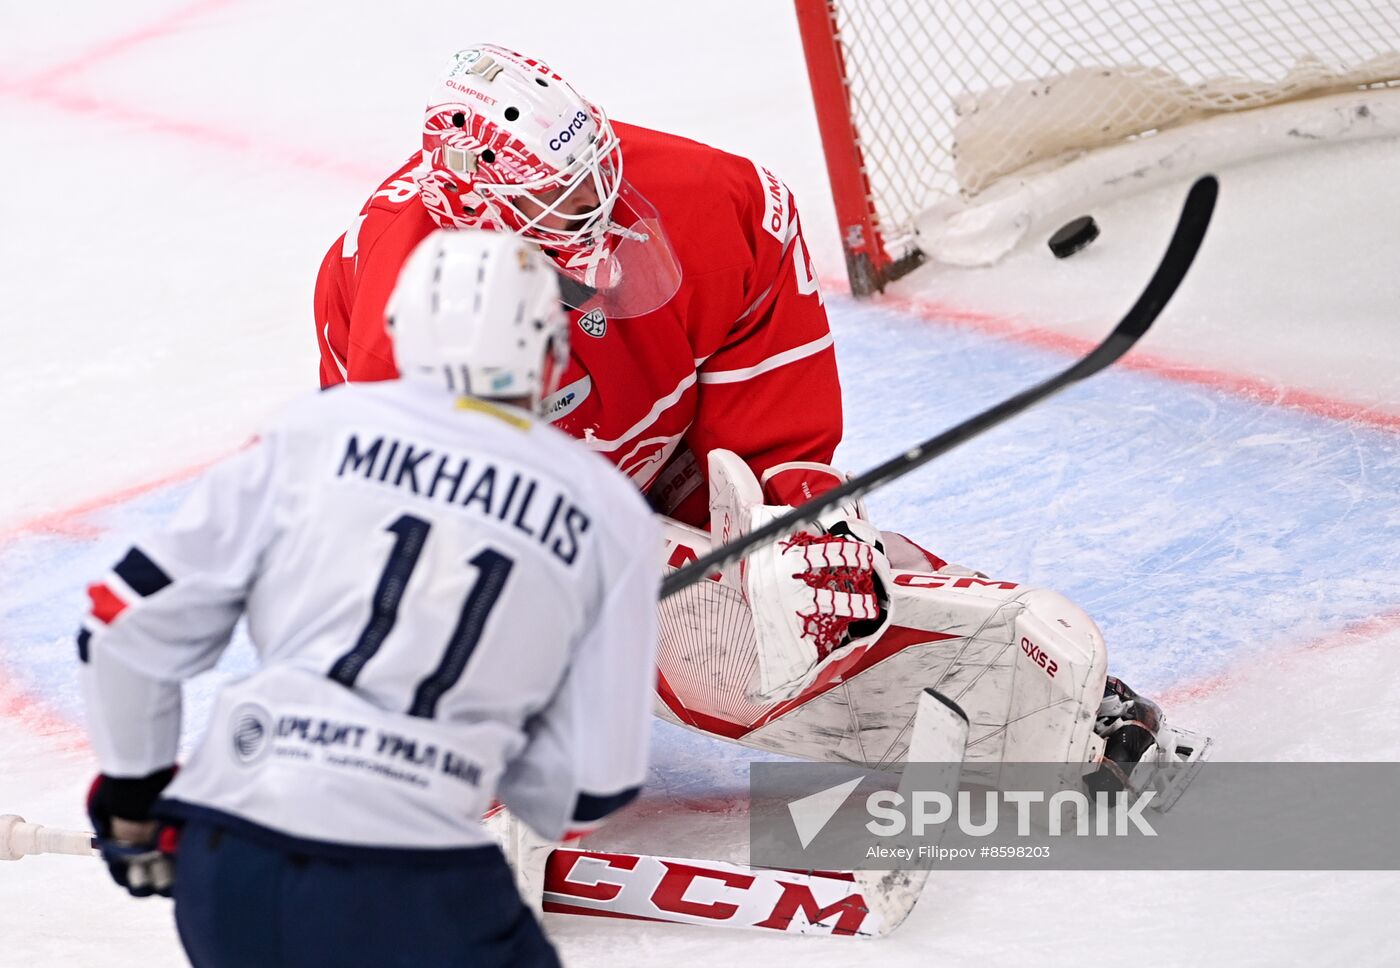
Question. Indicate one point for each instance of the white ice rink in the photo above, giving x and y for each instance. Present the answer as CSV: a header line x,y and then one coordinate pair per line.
x,y
1227,504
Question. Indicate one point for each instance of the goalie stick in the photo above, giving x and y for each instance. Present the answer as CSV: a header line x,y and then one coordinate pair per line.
x,y
710,893
714,893
1185,243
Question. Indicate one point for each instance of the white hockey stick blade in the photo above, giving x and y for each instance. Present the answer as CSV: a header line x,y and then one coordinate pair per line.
x,y
938,739
865,904
940,730
19,839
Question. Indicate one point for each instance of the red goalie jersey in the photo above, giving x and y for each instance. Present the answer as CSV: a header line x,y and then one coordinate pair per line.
x,y
739,358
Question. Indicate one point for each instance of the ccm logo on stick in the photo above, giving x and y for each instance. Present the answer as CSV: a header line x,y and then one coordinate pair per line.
x,y
694,892
1038,656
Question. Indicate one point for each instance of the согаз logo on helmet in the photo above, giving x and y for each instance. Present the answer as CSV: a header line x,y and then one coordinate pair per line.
x,y
564,137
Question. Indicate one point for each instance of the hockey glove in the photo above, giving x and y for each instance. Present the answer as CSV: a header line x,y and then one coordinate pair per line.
x,y
140,853
819,592
831,585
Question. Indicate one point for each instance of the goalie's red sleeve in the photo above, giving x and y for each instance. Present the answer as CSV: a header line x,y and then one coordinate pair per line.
x,y
358,274
740,358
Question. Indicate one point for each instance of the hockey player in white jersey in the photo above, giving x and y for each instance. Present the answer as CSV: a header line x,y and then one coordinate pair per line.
x,y
452,601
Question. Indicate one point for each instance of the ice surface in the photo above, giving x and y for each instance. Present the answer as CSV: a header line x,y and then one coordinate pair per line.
x,y
1227,505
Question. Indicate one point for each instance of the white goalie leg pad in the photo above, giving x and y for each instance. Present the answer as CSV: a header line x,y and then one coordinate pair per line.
x,y
1027,664
1058,682
1031,701
798,624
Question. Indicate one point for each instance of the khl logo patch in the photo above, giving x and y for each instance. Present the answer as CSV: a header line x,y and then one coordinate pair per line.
x,y
593,322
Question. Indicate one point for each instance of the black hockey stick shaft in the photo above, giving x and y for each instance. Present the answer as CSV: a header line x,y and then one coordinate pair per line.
x,y
1186,242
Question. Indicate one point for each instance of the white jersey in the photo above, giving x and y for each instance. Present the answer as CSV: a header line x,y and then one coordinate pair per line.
x,y
452,602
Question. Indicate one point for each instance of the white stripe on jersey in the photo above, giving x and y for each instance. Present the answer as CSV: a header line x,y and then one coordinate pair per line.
x,y
772,363
326,332
657,409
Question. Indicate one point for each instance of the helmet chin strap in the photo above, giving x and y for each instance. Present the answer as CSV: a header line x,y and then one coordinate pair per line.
x,y
630,234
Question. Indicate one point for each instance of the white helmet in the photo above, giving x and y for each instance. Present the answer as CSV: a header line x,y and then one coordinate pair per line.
x,y
479,313
502,129
509,144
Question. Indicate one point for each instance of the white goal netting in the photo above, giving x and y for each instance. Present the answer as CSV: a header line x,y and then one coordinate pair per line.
x,y
950,96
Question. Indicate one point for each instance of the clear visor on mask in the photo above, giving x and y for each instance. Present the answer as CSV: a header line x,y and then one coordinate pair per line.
x,y
605,236
631,271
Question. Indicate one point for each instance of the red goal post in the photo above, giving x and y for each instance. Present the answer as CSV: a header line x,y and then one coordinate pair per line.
x,y
953,129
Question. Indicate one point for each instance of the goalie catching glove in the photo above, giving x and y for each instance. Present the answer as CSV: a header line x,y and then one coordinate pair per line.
x,y
816,593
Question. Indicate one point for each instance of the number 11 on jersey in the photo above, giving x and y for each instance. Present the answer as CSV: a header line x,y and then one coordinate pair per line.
x,y
492,571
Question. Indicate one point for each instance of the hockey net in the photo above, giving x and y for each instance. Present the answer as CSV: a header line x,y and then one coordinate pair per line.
x,y
953,104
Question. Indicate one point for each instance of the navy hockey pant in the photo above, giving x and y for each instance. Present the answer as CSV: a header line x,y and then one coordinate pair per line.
x,y
242,904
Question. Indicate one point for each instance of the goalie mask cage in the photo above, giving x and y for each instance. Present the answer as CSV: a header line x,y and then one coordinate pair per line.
x,y
951,128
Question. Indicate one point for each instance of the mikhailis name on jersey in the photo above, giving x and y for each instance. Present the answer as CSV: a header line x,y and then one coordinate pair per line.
x,y
537,510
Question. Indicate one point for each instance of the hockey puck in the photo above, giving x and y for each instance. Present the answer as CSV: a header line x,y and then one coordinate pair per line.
x,y
1073,236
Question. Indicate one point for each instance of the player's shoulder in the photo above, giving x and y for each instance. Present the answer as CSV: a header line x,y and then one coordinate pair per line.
x,y
440,413
398,189
314,411
393,218
720,208
410,401
650,153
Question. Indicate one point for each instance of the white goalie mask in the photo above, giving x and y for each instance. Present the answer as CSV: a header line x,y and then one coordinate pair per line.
x,y
479,313
509,144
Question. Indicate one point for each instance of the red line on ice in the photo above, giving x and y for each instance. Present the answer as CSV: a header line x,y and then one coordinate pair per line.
x,y
31,711
1352,633
171,23
71,521
1248,387
46,88
201,133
